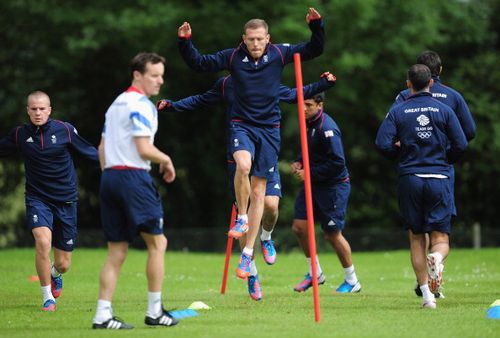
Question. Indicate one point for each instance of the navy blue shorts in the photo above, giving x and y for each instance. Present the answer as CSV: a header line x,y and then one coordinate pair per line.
x,y
329,205
425,204
130,204
263,143
60,218
273,186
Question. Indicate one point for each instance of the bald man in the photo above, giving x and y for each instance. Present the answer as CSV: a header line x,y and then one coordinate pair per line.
x,y
51,188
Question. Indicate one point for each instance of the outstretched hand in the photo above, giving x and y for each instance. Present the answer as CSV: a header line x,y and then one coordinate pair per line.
x,y
162,104
312,14
329,76
184,30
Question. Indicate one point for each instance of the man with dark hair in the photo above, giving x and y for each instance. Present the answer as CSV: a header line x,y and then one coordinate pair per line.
x,y
426,136
130,203
256,66
330,193
223,91
444,93
450,97
51,189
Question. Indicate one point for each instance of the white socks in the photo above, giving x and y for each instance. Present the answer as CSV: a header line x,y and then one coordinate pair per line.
x,y
426,293
318,267
248,251
438,256
265,235
154,305
253,268
350,275
104,311
46,293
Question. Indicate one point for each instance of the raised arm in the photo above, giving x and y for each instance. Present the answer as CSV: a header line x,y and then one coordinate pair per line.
x,y
315,46
196,61
194,102
289,95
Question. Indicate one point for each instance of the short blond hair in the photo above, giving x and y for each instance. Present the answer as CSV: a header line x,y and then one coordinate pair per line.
x,y
38,93
254,24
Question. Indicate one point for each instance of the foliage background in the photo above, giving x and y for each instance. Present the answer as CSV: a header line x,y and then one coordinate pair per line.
x,y
78,52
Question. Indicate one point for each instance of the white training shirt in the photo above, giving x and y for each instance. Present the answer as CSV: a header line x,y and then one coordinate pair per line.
x,y
132,114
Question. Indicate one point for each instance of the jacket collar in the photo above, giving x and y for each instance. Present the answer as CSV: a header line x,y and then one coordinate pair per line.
x,y
316,118
245,50
43,127
421,94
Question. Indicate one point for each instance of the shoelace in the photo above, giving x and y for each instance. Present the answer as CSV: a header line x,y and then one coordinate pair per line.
x,y
246,260
269,247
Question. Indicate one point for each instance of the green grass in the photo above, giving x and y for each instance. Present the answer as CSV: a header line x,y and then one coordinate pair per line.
x,y
386,306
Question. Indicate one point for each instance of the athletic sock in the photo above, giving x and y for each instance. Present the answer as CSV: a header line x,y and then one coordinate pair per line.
x,y
438,256
253,268
54,272
154,305
350,275
248,251
103,312
244,217
426,293
265,235
46,293
318,266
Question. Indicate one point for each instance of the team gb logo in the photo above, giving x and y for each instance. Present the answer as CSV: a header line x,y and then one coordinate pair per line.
x,y
423,120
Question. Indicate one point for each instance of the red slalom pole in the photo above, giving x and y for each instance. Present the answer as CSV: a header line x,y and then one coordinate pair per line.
x,y
307,183
229,248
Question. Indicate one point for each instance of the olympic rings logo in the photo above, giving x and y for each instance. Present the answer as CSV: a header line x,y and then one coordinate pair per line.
x,y
424,134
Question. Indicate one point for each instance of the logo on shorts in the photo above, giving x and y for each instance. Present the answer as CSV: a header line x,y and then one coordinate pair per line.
x,y
277,186
53,138
331,222
35,218
236,142
271,170
160,223
70,242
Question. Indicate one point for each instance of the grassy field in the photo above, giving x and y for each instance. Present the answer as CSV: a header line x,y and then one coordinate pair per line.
x,y
386,306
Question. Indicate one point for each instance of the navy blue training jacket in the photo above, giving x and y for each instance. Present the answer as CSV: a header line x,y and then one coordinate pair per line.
x,y
49,168
326,153
430,135
256,83
451,98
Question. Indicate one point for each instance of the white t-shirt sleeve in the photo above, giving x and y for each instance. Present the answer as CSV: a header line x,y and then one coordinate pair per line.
x,y
142,119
